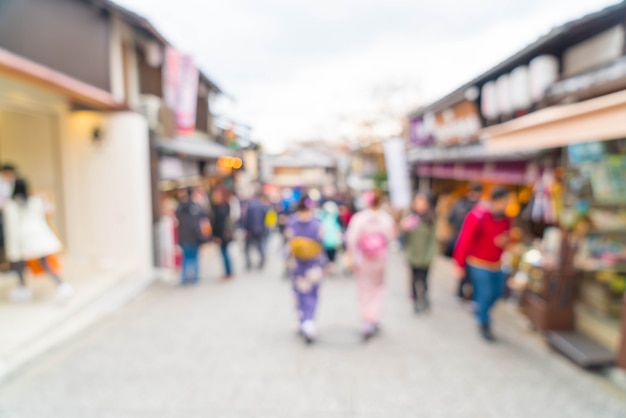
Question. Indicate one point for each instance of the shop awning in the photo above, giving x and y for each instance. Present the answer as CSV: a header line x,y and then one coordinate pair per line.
x,y
598,119
502,172
305,158
32,72
197,148
465,153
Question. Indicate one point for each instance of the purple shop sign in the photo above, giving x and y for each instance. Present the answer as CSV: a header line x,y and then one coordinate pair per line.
x,y
444,171
473,171
419,135
424,169
507,172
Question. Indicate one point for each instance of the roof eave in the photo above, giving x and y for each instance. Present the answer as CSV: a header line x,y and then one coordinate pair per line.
x,y
74,89
524,54
141,22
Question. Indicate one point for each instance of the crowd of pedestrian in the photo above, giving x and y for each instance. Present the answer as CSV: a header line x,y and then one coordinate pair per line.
x,y
328,236
481,233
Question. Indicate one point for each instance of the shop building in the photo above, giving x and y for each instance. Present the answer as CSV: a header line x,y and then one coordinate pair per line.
x,y
561,104
66,123
304,167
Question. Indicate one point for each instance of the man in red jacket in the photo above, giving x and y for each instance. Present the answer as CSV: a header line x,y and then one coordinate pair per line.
x,y
482,241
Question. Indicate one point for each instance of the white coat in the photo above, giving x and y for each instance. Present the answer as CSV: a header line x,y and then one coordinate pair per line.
x,y
27,235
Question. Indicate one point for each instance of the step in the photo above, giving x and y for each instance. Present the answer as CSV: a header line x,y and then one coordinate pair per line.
x,y
581,349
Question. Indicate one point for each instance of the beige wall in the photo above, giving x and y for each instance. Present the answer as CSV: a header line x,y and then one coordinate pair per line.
x,y
30,136
30,140
107,186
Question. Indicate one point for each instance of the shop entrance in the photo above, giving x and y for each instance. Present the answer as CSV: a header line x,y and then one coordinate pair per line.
x,y
30,141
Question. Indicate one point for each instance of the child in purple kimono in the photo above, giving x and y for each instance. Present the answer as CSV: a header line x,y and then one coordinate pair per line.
x,y
306,260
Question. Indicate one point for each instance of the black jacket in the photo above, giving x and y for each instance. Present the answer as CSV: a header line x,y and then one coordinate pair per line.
x,y
459,213
222,224
189,215
254,218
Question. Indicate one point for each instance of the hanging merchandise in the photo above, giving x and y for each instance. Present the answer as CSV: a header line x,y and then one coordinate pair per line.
x,y
546,199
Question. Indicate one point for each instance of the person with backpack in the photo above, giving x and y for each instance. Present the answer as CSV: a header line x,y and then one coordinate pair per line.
x,y
254,225
332,232
420,243
368,236
193,230
304,234
483,238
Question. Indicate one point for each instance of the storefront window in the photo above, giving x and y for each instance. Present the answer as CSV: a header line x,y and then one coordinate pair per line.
x,y
595,202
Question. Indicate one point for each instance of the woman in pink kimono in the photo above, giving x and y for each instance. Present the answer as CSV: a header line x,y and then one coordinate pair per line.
x,y
368,237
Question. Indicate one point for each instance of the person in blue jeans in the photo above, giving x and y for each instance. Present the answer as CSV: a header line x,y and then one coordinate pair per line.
x,y
222,229
254,225
190,237
484,236
489,286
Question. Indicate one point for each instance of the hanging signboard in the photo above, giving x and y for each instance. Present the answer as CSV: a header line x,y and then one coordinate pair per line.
x,y
594,52
398,173
420,133
171,77
187,96
458,124
180,88
607,79
170,168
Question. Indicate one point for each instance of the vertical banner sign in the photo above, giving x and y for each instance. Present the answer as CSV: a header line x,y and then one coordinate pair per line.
x,y
171,77
398,173
187,96
180,88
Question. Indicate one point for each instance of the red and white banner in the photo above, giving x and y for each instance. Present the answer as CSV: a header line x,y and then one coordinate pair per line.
x,y
180,88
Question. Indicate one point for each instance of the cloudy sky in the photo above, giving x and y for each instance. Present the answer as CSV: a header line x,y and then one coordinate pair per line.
x,y
302,70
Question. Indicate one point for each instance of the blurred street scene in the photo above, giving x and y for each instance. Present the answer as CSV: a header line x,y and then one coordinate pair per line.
x,y
231,349
344,225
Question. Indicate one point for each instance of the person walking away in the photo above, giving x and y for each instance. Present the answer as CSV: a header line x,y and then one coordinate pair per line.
x,y
420,243
222,229
368,236
254,225
346,212
190,235
331,232
457,216
201,197
484,236
29,238
304,234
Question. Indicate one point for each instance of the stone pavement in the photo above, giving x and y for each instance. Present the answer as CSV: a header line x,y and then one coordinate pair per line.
x,y
230,350
44,322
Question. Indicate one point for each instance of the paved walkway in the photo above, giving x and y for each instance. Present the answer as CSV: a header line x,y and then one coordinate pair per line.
x,y
230,350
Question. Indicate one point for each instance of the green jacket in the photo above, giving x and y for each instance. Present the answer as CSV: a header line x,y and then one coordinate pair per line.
x,y
420,245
